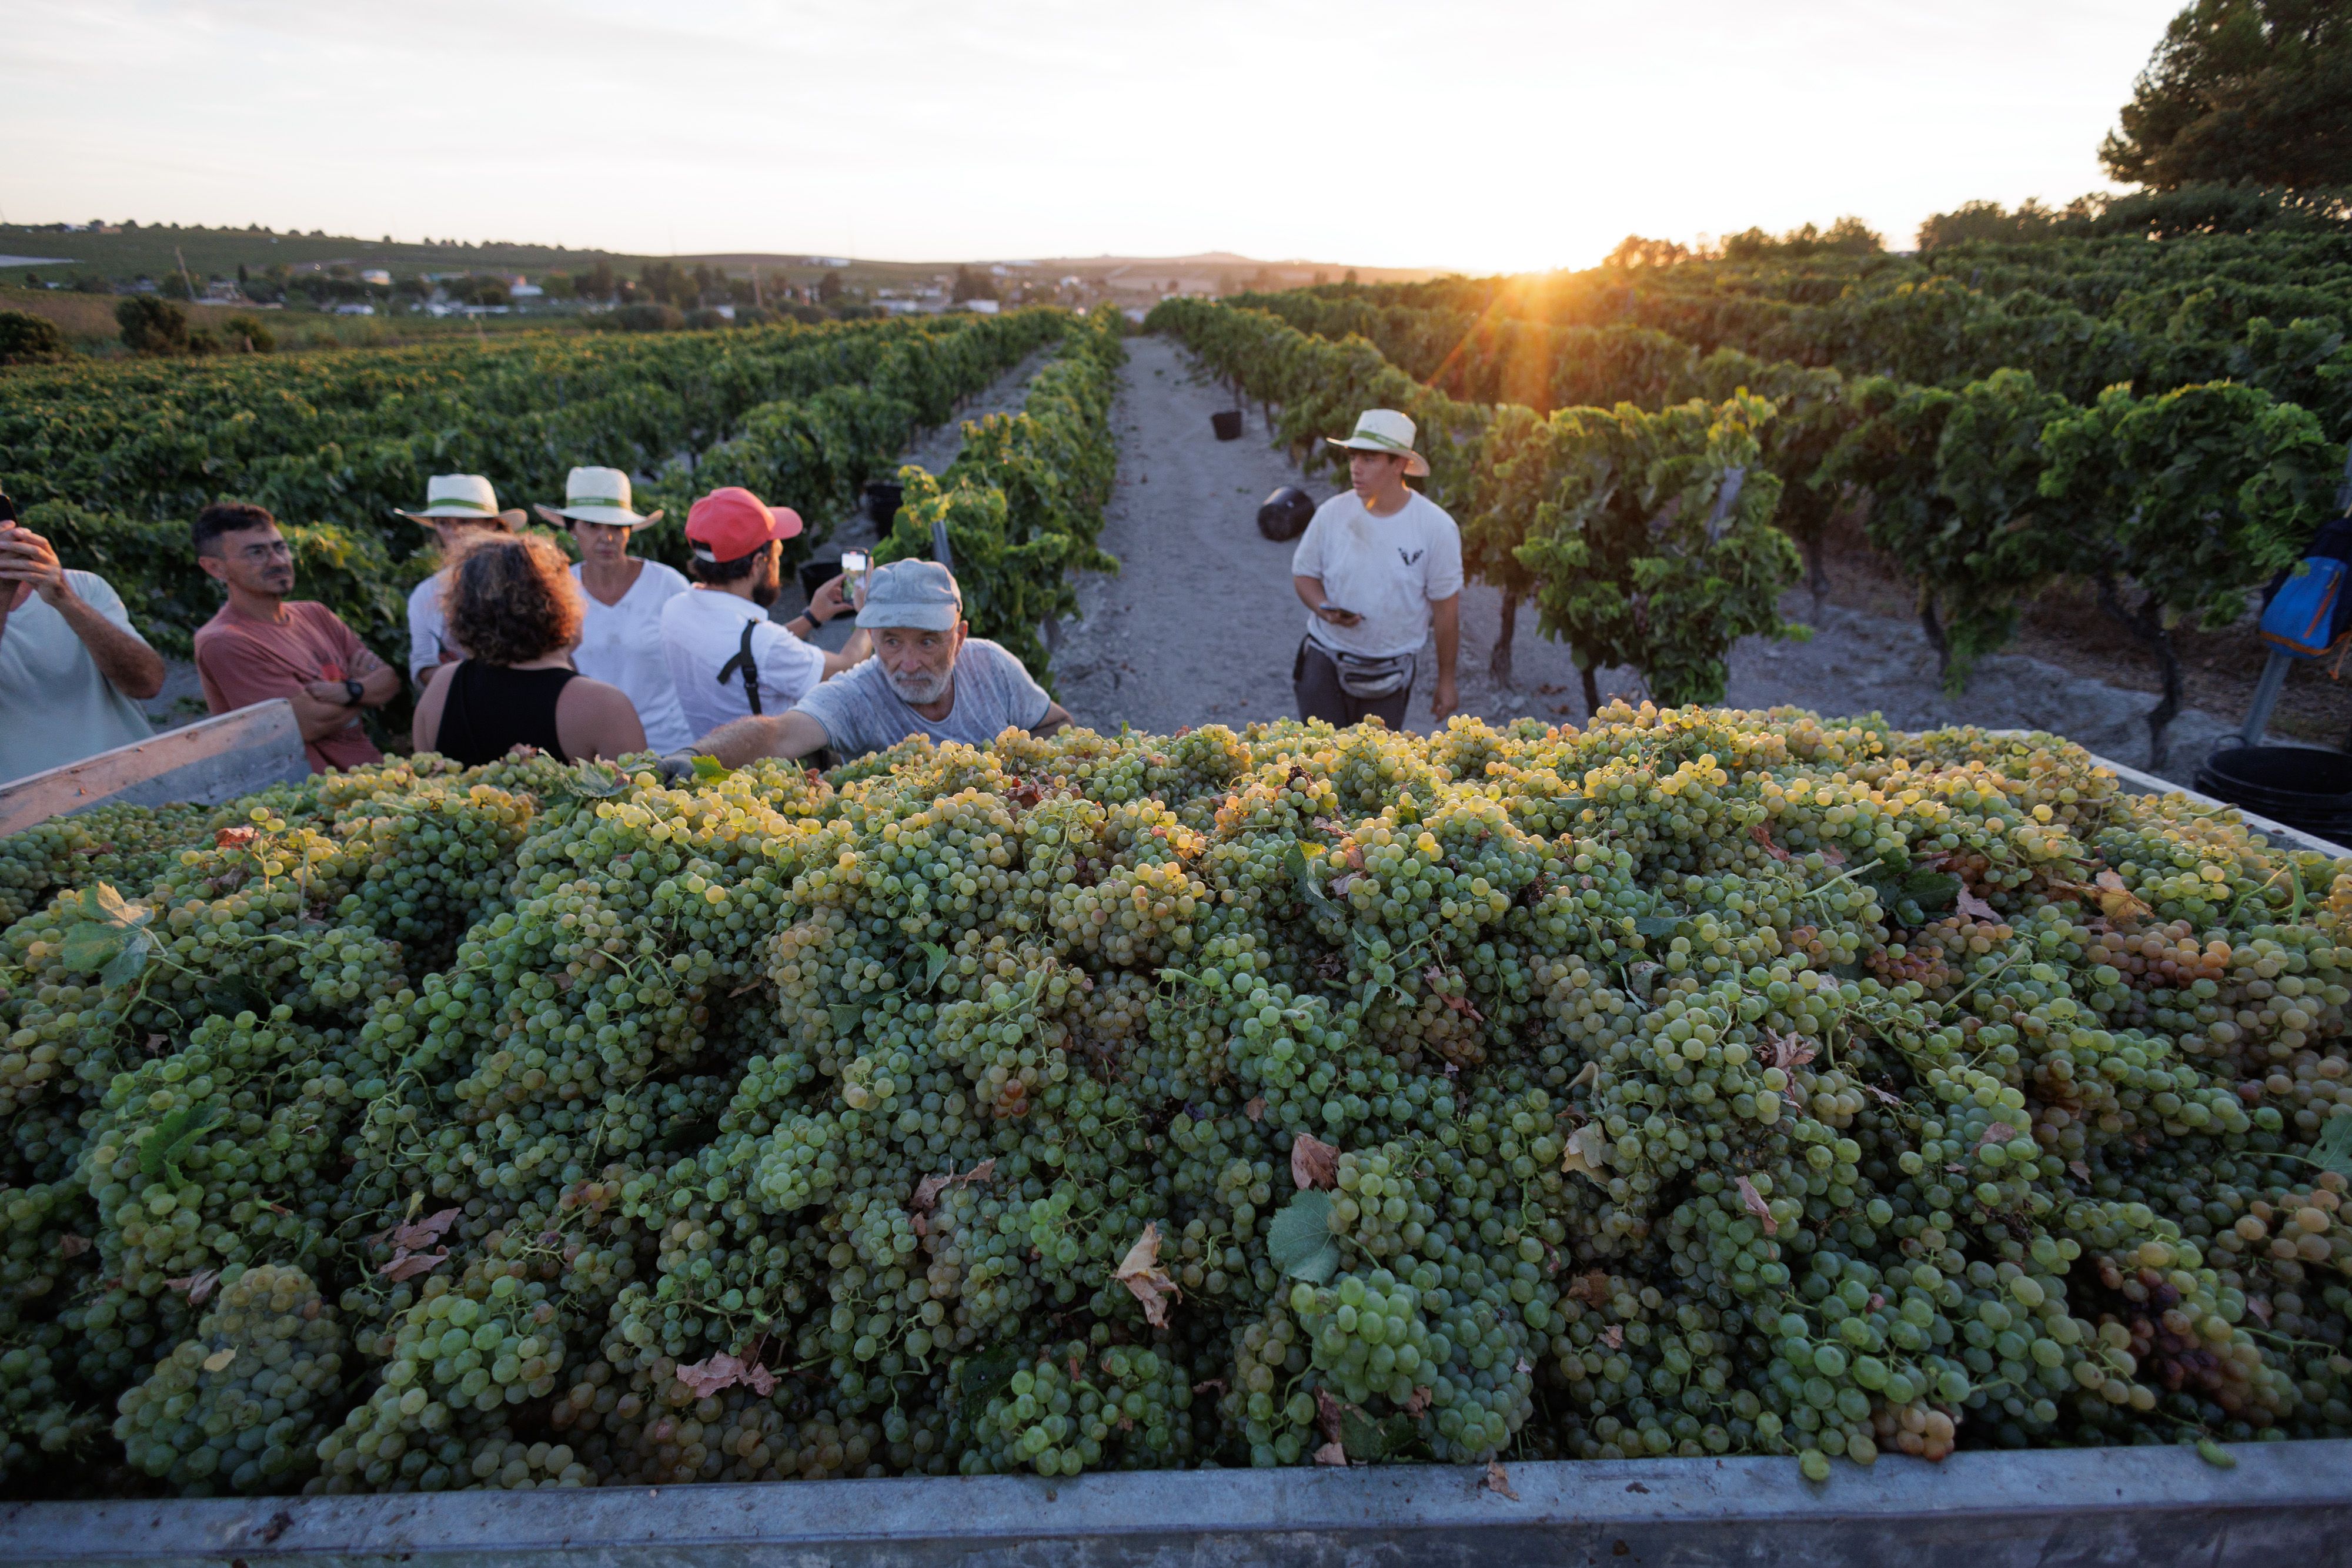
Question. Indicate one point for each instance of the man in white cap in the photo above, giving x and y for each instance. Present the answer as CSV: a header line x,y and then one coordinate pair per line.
x,y
1377,567
456,505
620,635
727,659
929,676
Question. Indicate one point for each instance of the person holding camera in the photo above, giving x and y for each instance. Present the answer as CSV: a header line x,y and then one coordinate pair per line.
x,y
1378,569
727,659
70,661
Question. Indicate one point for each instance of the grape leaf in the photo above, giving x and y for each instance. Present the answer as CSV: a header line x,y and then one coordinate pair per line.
x,y
128,965
1299,1238
707,768
89,946
595,782
935,963
845,1019
1654,925
2332,1151
979,1378
1140,1272
173,1137
1314,1162
1295,863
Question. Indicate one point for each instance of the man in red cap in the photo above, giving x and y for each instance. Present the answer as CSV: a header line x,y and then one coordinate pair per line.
x,y
727,659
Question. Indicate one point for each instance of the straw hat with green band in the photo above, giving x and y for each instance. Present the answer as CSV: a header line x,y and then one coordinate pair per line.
x,y
1384,430
597,495
451,498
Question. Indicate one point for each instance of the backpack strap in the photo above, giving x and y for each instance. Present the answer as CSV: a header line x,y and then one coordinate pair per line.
x,y
747,664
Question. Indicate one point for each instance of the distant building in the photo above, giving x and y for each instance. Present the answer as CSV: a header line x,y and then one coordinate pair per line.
x,y
348,309
982,307
377,275
530,291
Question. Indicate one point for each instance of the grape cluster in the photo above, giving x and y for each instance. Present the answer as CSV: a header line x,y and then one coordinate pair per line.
x,y
244,1403
1699,1082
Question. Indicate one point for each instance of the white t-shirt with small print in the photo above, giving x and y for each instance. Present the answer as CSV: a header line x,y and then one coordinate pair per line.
x,y
1387,570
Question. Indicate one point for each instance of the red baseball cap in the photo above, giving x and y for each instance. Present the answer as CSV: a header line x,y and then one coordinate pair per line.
x,y
730,523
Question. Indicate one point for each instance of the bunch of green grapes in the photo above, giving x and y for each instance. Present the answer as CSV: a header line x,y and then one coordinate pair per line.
x,y
458,1359
127,846
1077,1405
244,1403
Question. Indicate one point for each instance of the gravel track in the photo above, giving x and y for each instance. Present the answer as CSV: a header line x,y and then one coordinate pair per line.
x,y
1201,625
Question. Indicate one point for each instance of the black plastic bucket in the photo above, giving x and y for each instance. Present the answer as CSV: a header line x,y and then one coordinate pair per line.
x,y
2300,786
1286,514
882,498
1227,424
815,574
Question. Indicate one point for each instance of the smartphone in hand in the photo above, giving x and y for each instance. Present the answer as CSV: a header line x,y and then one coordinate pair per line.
x,y
854,565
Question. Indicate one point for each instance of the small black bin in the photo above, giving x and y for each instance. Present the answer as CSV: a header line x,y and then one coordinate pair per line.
x,y
882,498
815,574
2300,786
1227,424
1286,514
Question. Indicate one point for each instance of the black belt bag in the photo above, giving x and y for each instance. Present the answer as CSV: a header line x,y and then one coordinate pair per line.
x,y
750,666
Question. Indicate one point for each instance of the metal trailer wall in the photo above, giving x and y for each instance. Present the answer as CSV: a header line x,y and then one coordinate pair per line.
x,y
2285,1505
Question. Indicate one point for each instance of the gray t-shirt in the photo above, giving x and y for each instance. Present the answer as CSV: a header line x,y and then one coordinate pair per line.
x,y
54,708
992,690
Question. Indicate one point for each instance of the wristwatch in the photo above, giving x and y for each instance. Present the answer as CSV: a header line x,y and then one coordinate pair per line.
x,y
353,693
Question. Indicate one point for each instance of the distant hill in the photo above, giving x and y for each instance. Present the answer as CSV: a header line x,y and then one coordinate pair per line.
x,y
121,253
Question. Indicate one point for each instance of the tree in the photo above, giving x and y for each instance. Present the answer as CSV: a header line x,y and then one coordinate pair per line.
x,y
28,339
828,288
2253,91
152,326
972,285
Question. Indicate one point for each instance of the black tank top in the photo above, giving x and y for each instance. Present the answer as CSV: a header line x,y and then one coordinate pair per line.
x,y
491,709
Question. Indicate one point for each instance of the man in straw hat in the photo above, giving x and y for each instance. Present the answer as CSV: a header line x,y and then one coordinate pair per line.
x,y
621,636
1377,567
456,505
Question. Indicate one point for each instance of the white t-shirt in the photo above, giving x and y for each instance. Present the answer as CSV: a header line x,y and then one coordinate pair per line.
x,y
428,629
54,708
702,628
1387,570
620,644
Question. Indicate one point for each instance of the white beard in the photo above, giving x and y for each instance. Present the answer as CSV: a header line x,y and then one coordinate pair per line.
x,y
920,689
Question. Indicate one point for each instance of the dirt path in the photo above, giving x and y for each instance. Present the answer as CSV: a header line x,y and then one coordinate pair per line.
x,y
1202,624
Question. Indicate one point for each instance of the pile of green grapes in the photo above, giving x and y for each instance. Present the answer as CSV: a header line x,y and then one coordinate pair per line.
x,y
1699,1082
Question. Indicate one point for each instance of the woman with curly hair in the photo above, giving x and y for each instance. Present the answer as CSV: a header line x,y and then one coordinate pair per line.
x,y
512,604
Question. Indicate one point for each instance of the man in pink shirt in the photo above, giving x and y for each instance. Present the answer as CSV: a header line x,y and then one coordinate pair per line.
x,y
259,646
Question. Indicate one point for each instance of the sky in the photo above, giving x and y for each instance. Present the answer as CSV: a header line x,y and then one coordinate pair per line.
x,y
1480,135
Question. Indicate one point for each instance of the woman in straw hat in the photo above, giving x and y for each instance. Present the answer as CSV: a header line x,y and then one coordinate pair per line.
x,y
457,507
621,640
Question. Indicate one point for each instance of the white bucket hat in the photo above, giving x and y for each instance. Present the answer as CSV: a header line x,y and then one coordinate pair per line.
x,y
1384,430
467,495
597,495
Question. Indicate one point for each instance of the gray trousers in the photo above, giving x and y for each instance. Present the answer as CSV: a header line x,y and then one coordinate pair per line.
x,y
1314,678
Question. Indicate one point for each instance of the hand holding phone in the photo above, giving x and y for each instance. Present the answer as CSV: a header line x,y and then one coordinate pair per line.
x,y
854,565
1339,615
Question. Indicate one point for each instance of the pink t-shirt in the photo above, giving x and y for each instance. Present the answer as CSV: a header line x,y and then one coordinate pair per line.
x,y
242,660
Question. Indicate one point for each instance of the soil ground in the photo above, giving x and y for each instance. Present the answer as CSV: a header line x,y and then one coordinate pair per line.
x,y
1202,624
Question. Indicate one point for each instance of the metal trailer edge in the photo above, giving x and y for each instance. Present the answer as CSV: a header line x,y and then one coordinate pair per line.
x,y
2282,1504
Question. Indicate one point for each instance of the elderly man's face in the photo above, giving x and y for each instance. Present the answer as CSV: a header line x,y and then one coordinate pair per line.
x,y
919,664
